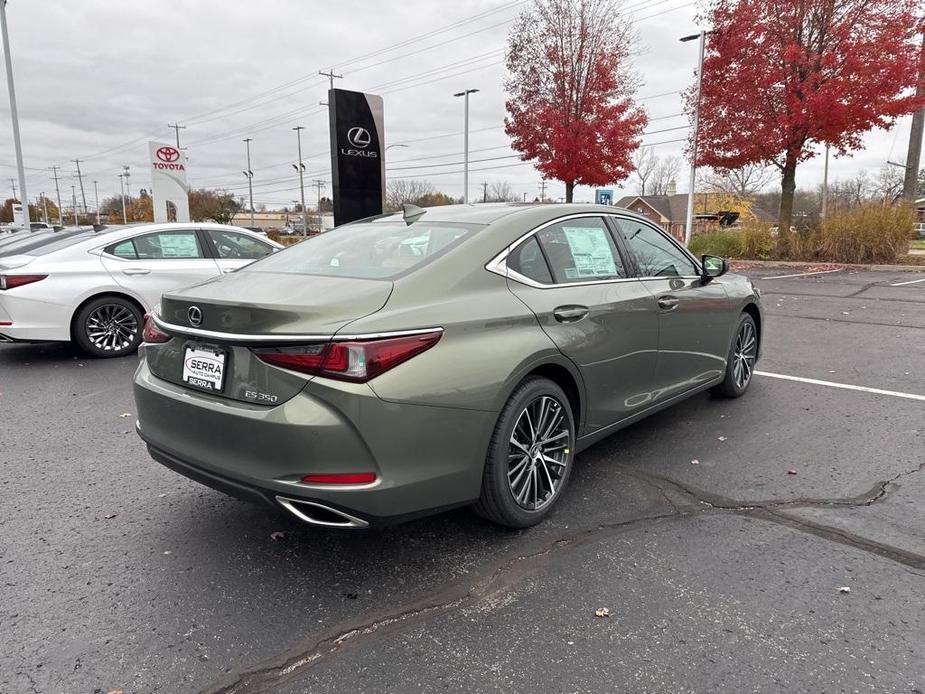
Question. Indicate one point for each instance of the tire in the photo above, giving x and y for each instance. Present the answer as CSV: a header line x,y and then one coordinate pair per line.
x,y
539,481
108,326
740,362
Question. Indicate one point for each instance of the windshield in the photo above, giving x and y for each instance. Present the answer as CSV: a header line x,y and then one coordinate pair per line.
x,y
370,250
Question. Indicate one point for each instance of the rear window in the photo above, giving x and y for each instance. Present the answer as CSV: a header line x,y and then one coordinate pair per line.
x,y
367,250
49,243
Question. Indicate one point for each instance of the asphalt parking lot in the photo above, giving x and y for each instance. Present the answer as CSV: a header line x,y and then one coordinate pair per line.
x,y
722,575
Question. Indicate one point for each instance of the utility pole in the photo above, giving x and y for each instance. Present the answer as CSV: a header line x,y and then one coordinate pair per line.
x,y
125,172
250,177
914,154
177,128
96,194
58,193
825,184
14,115
45,206
301,169
331,76
13,183
74,199
542,187
80,179
484,191
465,94
689,226
122,189
319,184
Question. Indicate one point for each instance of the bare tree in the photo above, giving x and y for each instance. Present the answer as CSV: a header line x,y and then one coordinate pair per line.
x,y
665,174
644,161
401,190
500,191
744,182
889,185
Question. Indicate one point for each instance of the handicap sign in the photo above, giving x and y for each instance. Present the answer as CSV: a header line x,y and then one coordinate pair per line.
x,y
603,196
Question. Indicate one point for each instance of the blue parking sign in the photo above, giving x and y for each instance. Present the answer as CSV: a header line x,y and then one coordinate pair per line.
x,y
603,196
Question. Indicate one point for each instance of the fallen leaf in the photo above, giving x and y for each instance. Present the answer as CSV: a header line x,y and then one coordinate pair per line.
x,y
125,414
695,462
720,438
114,691
602,612
791,472
277,535
844,589
110,515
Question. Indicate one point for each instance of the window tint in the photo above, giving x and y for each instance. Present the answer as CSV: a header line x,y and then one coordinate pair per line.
x,y
235,245
527,259
370,250
123,249
168,245
655,253
581,250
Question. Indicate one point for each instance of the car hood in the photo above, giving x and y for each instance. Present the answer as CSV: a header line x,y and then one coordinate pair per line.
x,y
273,303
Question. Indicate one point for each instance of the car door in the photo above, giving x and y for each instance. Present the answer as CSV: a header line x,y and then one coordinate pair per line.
x,y
571,274
157,262
235,249
694,316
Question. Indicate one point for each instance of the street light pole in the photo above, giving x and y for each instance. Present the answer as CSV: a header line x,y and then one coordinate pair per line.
x,y
122,189
45,207
14,116
54,170
689,222
465,94
250,177
301,169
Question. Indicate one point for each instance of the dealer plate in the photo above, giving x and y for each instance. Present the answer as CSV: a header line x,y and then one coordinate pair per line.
x,y
204,367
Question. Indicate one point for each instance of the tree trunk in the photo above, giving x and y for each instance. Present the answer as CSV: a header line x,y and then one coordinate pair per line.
x,y
788,187
569,190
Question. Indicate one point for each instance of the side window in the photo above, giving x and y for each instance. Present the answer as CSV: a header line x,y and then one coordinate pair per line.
x,y
581,250
527,260
167,245
123,249
234,245
656,255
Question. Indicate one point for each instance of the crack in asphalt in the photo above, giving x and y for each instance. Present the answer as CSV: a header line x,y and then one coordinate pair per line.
x,y
685,501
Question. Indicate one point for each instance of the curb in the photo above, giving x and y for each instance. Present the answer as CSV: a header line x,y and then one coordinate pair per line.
x,y
744,264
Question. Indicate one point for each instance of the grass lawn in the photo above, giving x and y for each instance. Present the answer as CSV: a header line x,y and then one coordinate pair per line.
x,y
918,245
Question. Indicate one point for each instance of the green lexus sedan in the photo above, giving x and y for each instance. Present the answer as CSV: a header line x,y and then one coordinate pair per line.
x,y
418,361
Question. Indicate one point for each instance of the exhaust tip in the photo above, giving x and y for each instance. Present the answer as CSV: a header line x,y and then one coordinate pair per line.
x,y
318,514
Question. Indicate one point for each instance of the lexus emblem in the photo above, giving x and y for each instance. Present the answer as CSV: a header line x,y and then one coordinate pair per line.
x,y
167,154
195,316
358,137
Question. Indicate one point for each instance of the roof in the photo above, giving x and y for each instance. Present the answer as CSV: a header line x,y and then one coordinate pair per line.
x,y
671,207
487,213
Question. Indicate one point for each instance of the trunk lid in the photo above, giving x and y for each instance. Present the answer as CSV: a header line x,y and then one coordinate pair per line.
x,y
252,309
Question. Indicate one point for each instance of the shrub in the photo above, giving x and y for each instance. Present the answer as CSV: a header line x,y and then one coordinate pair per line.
x,y
870,233
757,242
724,243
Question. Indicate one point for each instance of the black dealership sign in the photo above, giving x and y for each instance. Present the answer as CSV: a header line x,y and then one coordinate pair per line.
x,y
357,143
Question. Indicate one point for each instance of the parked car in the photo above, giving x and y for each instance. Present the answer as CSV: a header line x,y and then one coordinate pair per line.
x,y
352,382
17,244
920,230
93,287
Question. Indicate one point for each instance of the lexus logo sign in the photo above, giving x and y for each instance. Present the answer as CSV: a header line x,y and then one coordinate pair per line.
x,y
358,137
168,154
195,316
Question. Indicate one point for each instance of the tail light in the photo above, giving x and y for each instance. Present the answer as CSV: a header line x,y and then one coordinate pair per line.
x,y
151,333
349,360
11,281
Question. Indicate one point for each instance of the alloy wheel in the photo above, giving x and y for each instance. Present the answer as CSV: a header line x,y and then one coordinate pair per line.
x,y
744,354
111,328
538,453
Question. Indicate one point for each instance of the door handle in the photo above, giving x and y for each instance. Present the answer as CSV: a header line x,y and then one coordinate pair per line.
x,y
668,303
136,271
570,314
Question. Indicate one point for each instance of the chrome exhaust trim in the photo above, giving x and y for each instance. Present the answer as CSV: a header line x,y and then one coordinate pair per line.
x,y
303,510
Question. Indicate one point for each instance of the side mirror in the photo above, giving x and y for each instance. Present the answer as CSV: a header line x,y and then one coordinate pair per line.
x,y
713,266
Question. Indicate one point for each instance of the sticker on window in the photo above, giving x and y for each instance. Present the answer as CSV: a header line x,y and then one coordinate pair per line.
x,y
591,251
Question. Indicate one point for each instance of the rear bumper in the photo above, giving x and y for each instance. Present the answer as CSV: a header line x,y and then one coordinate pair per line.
x,y
25,319
425,458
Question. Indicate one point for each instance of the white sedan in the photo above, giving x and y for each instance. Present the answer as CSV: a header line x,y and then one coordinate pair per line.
x,y
94,287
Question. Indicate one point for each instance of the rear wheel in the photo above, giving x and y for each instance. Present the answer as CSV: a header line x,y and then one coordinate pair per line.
x,y
108,327
529,457
740,362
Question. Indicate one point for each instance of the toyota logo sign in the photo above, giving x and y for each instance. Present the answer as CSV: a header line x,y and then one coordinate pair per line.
x,y
358,137
168,154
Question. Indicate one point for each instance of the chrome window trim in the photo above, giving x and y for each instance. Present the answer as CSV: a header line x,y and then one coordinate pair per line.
x,y
498,264
241,337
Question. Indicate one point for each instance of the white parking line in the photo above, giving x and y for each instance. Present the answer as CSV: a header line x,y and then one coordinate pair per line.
x,y
845,386
800,274
900,284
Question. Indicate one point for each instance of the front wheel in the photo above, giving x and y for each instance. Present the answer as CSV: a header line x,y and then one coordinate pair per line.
x,y
108,327
740,362
530,455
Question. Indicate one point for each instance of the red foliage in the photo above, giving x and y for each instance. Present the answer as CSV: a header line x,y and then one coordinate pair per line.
x,y
781,75
571,106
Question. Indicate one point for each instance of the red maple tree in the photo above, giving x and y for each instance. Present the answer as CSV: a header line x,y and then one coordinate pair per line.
x,y
780,76
571,107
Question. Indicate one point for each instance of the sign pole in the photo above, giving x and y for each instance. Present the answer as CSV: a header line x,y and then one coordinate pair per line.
x,y
14,116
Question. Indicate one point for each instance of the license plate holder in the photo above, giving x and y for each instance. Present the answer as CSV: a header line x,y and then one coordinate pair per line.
x,y
204,367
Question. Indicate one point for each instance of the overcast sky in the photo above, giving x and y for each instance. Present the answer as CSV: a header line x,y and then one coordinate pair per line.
x,y
98,79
